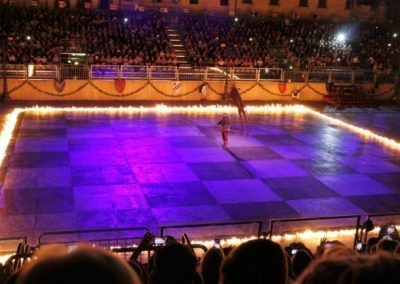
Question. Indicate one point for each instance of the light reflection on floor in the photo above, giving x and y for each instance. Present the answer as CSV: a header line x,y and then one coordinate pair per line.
x,y
72,171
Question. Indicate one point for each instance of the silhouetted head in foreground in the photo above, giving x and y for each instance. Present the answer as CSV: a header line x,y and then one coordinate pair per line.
x,y
257,261
380,268
82,266
174,263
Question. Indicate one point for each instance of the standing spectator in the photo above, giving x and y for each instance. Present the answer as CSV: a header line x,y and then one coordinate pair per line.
x,y
257,262
211,265
174,263
82,266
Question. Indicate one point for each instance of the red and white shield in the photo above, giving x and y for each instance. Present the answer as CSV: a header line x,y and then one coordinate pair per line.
x,y
59,85
119,85
282,87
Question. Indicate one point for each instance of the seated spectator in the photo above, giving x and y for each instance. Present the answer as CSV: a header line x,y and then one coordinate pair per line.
x,y
257,261
81,266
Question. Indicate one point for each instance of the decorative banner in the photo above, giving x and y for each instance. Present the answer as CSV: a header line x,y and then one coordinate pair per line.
x,y
119,85
282,87
203,91
59,85
176,86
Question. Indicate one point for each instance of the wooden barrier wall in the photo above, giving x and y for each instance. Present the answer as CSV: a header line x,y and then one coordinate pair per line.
x,y
143,90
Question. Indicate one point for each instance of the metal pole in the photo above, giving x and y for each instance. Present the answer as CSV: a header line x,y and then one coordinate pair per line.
x,y
4,96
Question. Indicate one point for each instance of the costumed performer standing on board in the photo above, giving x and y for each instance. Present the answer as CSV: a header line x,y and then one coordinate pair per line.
x,y
234,95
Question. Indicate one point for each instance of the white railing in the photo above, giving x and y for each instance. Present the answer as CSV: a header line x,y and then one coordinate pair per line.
x,y
140,72
104,72
43,71
75,72
192,73
163,72
14,71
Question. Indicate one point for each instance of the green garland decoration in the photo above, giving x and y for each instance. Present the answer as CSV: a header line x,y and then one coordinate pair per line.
x,y
58,95
214,91
249,89
89,82
275,94
315,90
17,87
174,96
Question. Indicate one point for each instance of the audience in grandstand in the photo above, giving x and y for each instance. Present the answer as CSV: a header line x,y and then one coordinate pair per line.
x,y
141,38
39,36
299,44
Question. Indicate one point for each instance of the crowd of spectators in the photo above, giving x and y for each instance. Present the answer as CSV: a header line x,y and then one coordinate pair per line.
x,y
258,41
141,38
259,261
38,36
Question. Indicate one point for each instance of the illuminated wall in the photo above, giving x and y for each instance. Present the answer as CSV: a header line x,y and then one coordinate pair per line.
x,y
139,90
335,9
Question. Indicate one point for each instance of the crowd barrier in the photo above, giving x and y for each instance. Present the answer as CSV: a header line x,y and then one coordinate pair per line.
x,y
124,241
106,238
134,72
109,238
213,230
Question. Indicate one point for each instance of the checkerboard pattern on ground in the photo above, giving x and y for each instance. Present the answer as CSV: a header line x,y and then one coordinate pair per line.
x,y
71,171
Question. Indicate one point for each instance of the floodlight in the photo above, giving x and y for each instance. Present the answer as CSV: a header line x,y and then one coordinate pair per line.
x,y
341,37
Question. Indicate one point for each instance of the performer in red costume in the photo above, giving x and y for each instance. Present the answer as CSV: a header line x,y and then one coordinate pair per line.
x,y
225,129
